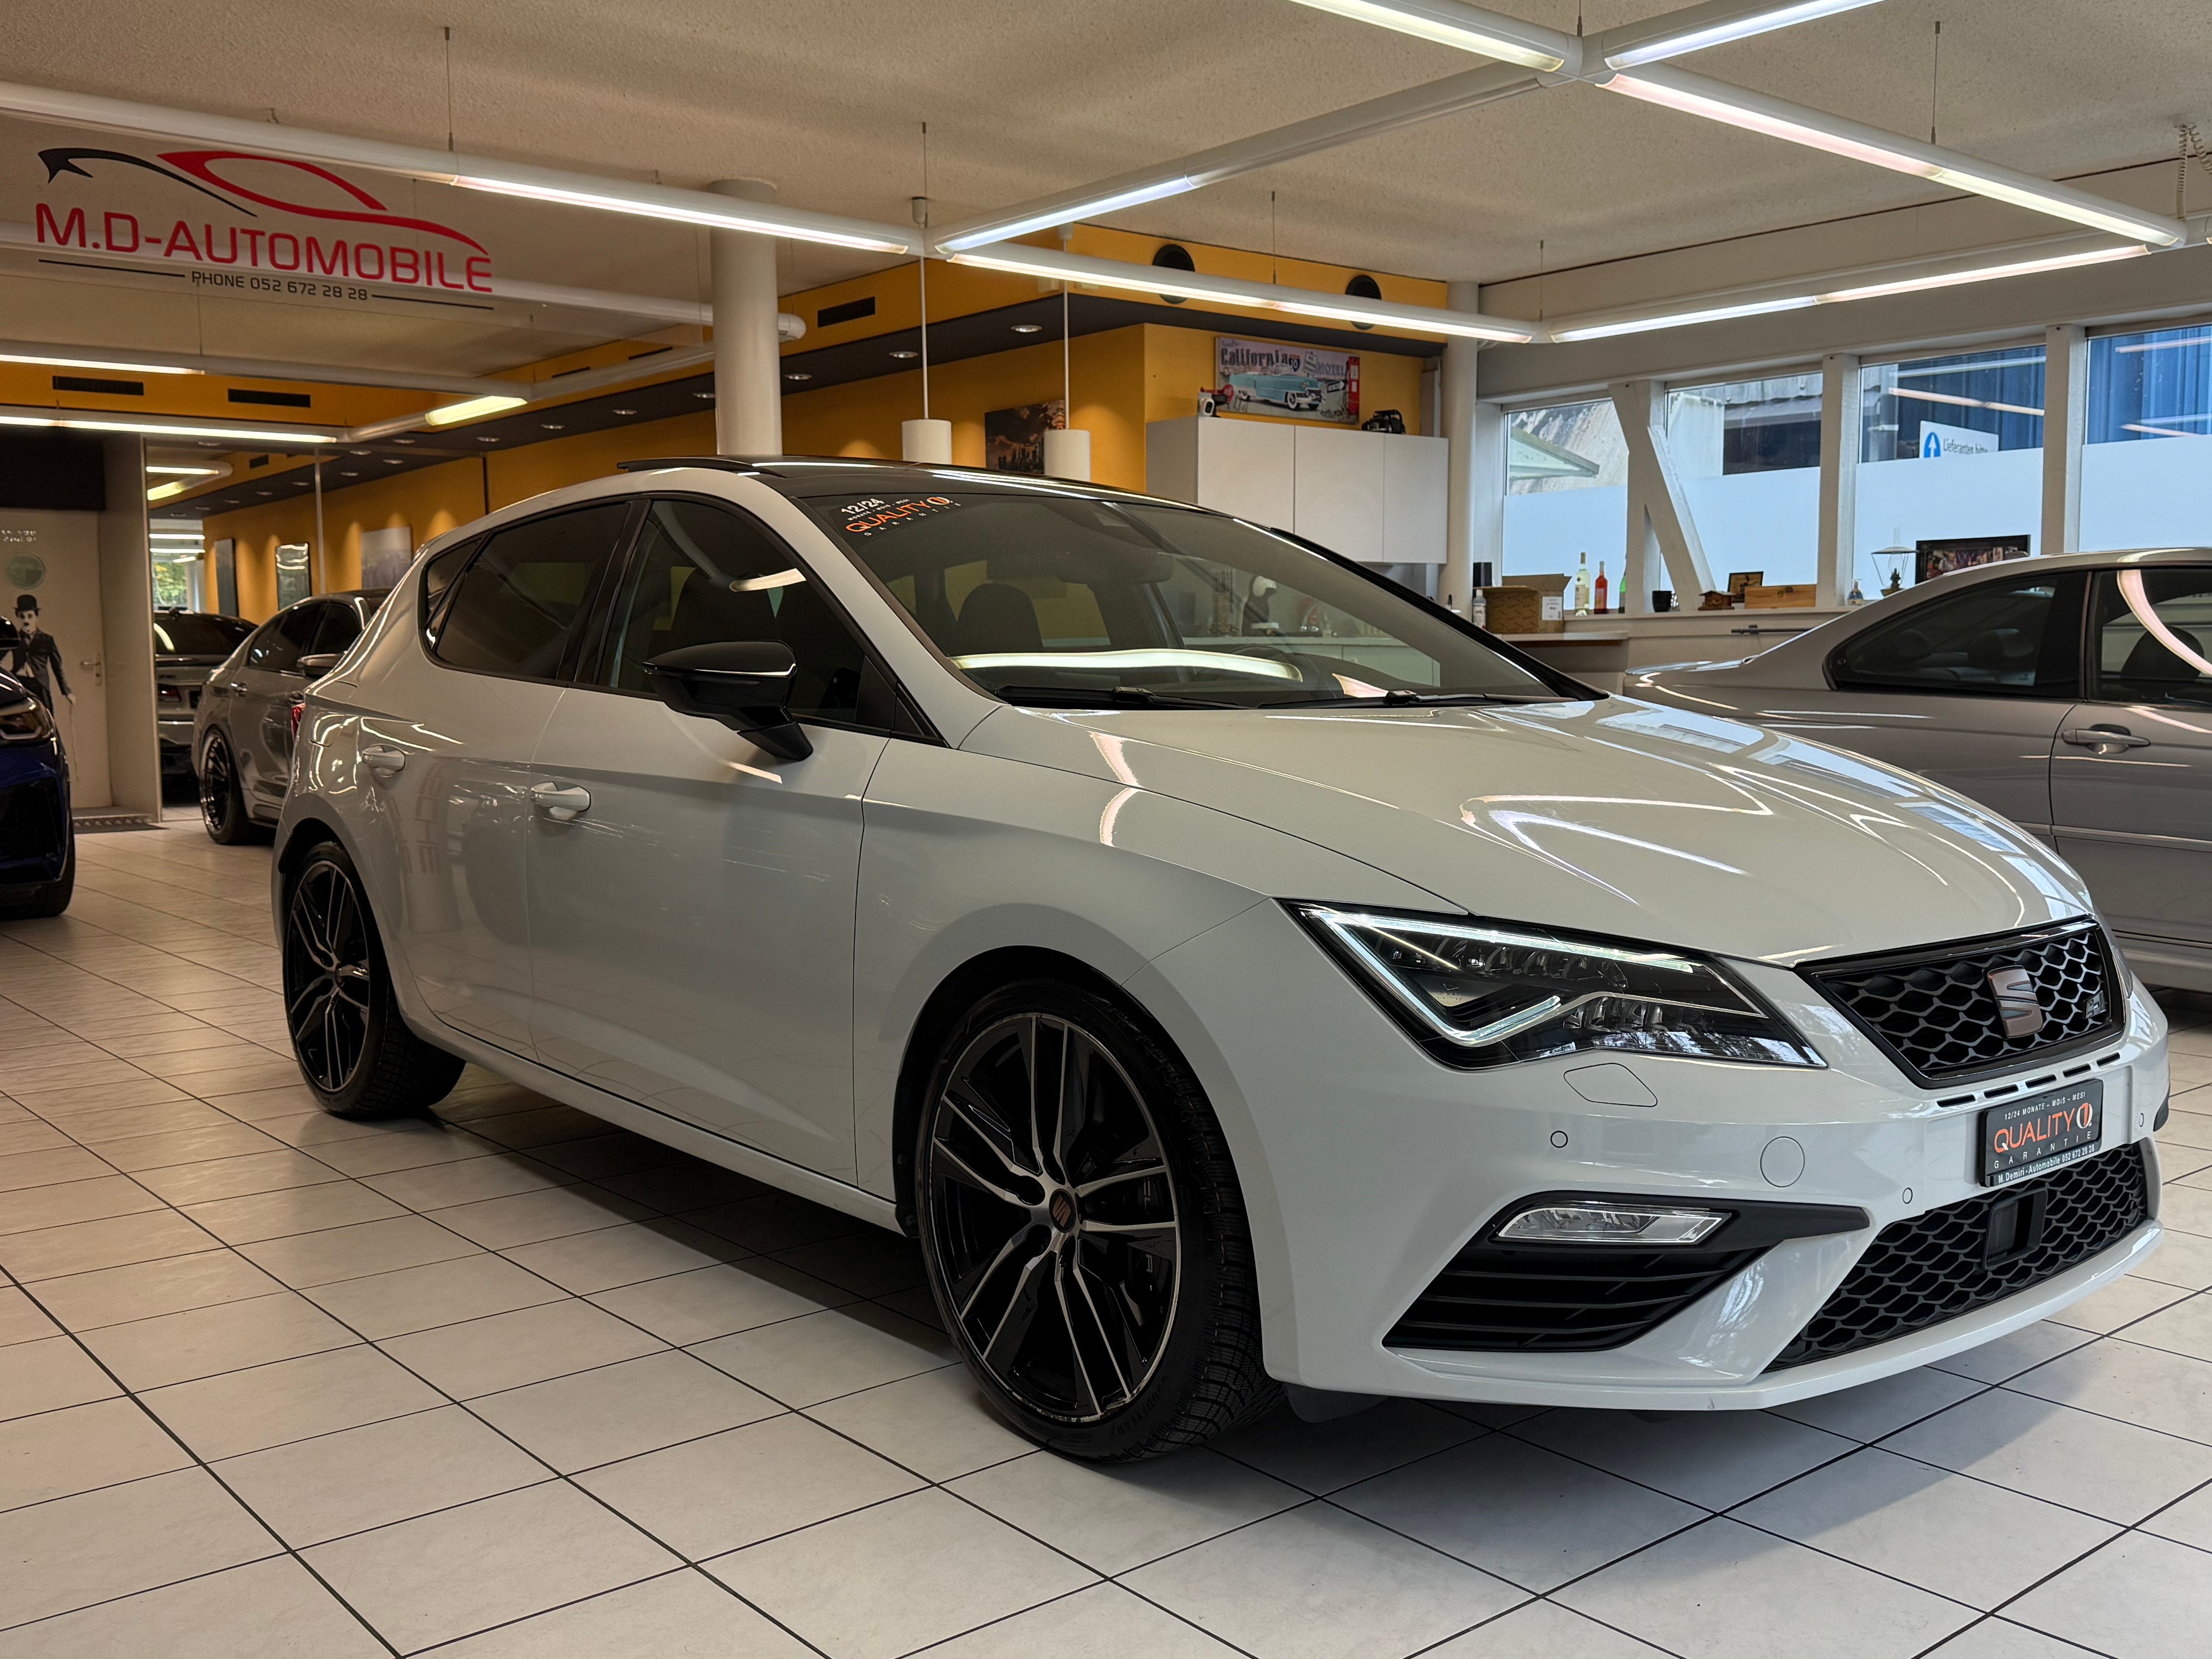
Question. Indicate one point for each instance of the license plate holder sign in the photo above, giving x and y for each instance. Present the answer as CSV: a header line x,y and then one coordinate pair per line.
x,y
2031,1136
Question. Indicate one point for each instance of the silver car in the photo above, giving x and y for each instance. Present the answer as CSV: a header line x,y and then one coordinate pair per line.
x,y
242,733
2073,694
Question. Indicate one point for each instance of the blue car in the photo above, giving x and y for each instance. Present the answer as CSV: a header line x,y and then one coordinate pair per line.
x,y
38,843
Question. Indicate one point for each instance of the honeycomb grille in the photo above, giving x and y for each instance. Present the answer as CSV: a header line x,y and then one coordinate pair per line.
x,y
1938,1266
1935,1010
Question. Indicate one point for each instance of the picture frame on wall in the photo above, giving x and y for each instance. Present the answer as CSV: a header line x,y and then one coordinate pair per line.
x,y
1740,580
1941,556
1013,439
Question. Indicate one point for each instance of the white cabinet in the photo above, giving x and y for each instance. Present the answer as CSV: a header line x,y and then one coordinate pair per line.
x,y
1374,496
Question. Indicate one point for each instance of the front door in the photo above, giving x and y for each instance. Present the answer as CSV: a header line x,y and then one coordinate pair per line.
x,y
1968,689
692,896
447,760
2131,777
267,682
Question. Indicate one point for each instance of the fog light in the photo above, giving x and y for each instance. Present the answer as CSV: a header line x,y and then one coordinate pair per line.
x,y
1609,1224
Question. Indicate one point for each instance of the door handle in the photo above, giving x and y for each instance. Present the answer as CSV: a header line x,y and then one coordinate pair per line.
x,y
559,803
2104,737
385,763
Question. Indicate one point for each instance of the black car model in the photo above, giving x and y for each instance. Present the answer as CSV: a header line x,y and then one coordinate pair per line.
x,y
242,733
38,841
188,647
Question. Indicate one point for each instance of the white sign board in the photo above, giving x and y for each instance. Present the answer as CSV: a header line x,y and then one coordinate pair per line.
x,y
1937,441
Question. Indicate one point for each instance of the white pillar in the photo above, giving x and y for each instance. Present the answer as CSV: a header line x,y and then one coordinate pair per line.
x,y
748,368
2065,430
1662,533
1841,419
1474,527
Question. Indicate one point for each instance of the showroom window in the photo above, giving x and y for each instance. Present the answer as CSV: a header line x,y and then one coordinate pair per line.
x,y
1748,455
2000,638
706,575
2147,472
1951,452
1566,489
515,607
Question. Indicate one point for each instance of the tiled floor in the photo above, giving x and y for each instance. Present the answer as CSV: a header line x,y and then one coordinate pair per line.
x,y
512,1384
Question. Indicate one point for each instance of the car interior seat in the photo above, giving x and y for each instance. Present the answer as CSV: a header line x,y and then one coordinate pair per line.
x,y
997,617
2152,666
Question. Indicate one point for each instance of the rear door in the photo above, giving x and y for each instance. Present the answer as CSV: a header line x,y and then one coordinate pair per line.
x,y
2131,777
1968,689
450,761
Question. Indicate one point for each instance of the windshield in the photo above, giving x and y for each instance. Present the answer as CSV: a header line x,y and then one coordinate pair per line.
x,y
198,633
1052,599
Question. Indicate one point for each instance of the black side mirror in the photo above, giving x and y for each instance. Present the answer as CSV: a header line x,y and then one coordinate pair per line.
x,y
744,683
316,664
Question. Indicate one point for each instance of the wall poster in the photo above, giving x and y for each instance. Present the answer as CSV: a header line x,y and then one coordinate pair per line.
x,y
1013,439
1942,556
1278,379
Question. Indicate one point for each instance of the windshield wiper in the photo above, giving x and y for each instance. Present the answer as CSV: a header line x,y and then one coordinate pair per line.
x,y
1115,697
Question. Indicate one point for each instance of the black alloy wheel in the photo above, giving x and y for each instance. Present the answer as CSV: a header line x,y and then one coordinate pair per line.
x,y
222,803
354,1049
1083,1230
326,976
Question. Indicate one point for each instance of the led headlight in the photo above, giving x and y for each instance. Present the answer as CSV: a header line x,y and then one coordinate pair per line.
x,y
1484,993
24,722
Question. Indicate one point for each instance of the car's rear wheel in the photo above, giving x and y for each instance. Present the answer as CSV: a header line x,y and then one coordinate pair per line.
x,y
1083,1230
222,803
355,1050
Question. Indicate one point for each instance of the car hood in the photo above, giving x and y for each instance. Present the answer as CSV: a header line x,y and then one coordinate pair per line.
x,y
1617,817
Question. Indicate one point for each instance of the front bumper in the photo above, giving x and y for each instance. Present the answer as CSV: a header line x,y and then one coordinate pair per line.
x,y
34,822
1367,1167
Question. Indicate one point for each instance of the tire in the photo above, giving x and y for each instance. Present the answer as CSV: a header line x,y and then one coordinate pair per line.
x,y
355,1050
222,803
48,898
1096,1274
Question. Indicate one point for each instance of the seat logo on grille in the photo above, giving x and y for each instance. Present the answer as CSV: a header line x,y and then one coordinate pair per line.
x,y
2018,1004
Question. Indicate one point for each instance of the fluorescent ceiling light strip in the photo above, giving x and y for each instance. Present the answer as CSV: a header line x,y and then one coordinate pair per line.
x,y
1716,100
1470,28
473,410
1085,271
1953,398
94,362
1982,274
155,429
1005,230
735,218
190,473
1701,26
2160,431
1684,319
2203,337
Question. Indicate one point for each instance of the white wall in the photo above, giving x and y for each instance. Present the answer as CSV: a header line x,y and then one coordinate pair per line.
x,y
2157,493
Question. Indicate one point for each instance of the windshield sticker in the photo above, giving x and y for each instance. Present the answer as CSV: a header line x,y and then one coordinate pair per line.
x,y
880,512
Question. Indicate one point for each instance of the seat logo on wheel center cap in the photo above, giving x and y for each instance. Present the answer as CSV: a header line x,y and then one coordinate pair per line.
x,y
1062,1209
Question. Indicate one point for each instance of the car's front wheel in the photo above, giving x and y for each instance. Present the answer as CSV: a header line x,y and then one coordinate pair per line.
x,y
355,1050
1083,1228
222,803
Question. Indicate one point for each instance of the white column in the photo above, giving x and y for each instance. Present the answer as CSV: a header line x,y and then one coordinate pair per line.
x,y
2065,430
1662,530
1474,527
1840,430
748,368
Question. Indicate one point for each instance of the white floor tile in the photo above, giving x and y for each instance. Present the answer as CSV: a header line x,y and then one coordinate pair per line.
x,y
678,1613
2159,1390
2147,1598
1543,1629
1874,1409
531,1345
1715,1459
272,1609
1103,1622
935,1423
1321,1457
80,1449
621,1411
802,1362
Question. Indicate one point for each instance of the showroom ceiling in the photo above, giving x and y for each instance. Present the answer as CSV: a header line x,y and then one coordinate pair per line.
x,y
825,98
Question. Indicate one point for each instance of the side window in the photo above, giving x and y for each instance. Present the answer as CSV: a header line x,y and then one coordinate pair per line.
x,y
438,581
2153,636
2014,638
340,629
284,639
705,574
513,609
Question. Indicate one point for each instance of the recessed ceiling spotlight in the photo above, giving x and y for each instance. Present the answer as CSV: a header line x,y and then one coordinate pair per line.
x,y
361,451
709,396
264,492
210,443
394,460
1029,328
553,426
906,356
487,440
625,411
402,440
349,475
800,376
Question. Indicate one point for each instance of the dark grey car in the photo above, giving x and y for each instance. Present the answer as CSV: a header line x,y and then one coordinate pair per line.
x,y
2073,694
242,734
188,647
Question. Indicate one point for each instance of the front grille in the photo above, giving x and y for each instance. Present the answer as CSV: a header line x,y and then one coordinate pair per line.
x,y
30,821
1502,1298
1950,1261
1935,1011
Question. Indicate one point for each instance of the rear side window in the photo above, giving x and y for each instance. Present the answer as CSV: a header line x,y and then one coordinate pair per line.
x,y
284,639
438,575
2019,638
2152,641
340,629
516,607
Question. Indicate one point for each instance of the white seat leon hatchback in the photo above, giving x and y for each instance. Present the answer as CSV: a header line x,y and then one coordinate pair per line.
x,y
1234,971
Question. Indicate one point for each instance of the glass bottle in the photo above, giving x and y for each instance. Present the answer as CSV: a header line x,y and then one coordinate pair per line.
x,y
1598,602
1583,587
